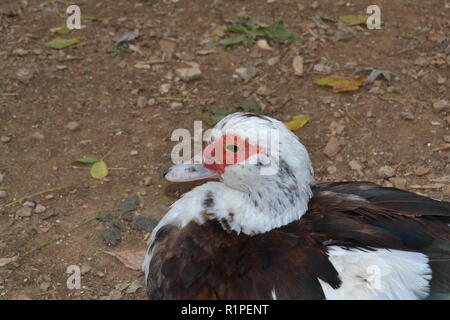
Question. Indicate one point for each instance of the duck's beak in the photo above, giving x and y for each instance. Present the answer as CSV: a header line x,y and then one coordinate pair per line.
x,y
188,172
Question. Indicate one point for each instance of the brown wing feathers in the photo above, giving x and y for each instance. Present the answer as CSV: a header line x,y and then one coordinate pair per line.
x,y
206,262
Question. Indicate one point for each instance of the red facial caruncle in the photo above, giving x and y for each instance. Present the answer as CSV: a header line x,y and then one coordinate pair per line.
x,y
230,149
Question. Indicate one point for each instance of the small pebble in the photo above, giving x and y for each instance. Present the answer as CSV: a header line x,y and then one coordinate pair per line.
x,y
134,152
355,165
44,286
398,182
2,194
85,268
30,204
176,106
441,105
5,139
39,208
164,88
189,74
142,101
407,115
72,126
24,212
264,91
37,135
315,5
115,295
331,169
246,74
386,172
421,171
147,181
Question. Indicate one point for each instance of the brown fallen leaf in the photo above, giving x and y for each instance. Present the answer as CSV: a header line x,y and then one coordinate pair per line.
x,y
442,147
132,259
333,147
448,120
445,179
421,171
353,20
5,261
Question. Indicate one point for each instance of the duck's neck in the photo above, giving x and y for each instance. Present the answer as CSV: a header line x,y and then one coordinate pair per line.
x,y
261,208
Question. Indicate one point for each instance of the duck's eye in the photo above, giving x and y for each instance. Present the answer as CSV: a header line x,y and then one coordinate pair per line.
x,y
233,148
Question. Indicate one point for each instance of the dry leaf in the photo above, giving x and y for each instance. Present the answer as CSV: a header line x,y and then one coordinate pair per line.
x,y
134,286
134,48
99,170
340,84
353,20
298,121
421,171
442,147
5,261
445,179
132,259
333,147
427,186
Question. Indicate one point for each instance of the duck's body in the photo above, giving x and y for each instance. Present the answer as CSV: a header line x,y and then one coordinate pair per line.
x,y
280,238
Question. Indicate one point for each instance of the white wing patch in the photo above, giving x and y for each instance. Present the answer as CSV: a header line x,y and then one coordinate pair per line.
x,y
379,275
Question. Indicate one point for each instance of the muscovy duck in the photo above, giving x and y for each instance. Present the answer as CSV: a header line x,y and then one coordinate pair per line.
x,y
280,236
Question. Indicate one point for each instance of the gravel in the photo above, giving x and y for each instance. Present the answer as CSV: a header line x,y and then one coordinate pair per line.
x,y
5,139
407,115
39,209
386,172
142,101
72,125
23,212
246,74
441,105
189,74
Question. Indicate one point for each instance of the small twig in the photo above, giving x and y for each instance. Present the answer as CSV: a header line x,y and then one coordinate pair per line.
x,y
352,117
95,18
7,205
258,80
108,153
402,51
81,168
442,147
9,94
56,238
172,99
49,242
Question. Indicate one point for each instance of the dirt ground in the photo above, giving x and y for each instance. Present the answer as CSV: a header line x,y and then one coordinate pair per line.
x,y
91,97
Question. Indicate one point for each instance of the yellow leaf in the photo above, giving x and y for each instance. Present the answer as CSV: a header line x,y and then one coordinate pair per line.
x,y
99,170
297,122
354,20
340,84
